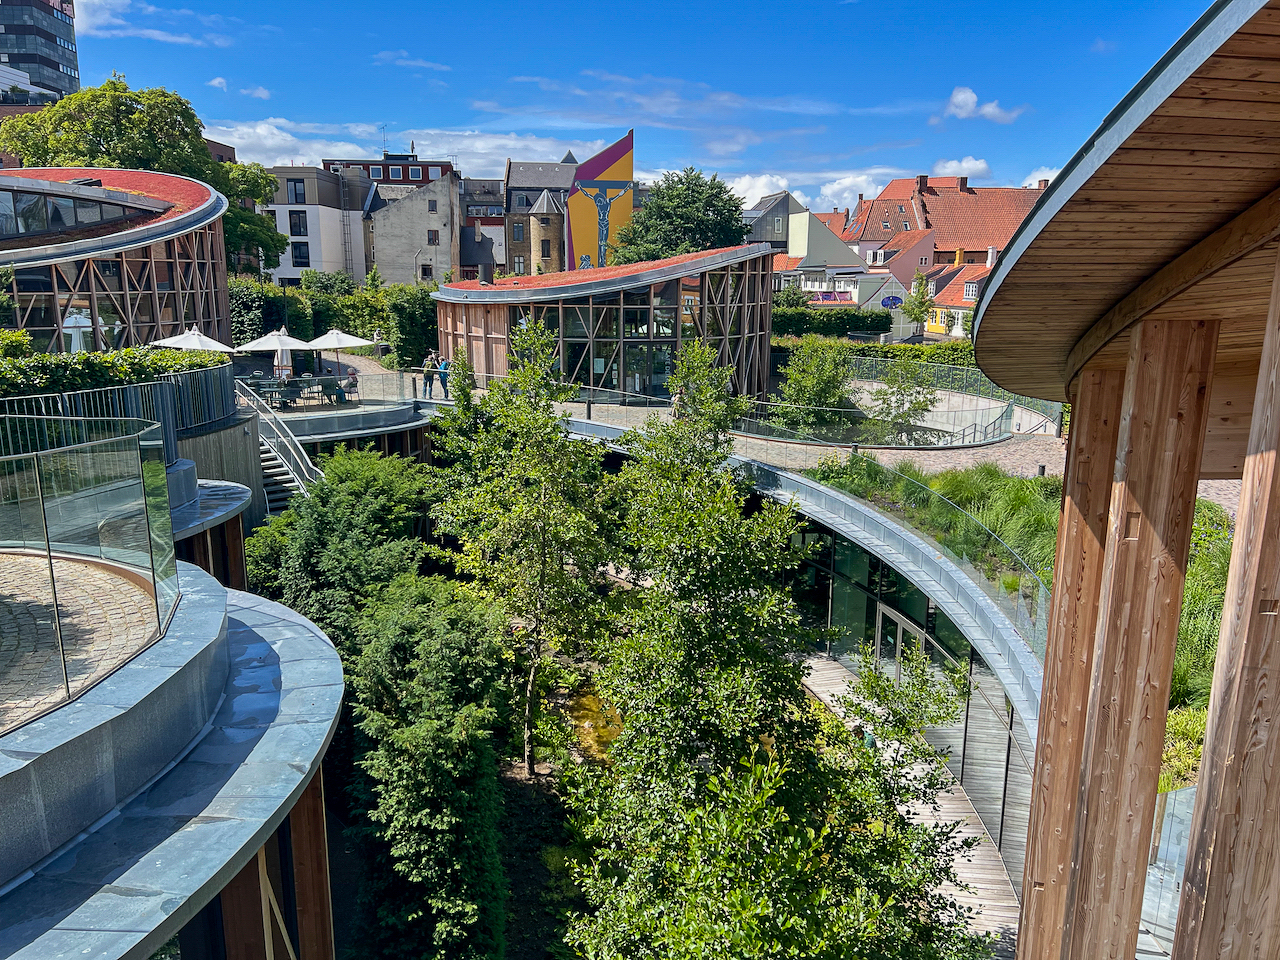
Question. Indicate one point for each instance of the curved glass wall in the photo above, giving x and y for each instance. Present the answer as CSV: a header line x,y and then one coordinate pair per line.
x,y
876,611
88,576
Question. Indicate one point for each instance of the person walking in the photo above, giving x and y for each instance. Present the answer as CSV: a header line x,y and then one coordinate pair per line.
x,y
444,377
430,367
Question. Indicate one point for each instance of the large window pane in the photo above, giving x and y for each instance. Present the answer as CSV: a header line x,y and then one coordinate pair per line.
x,y
663,366
606,321
32,213
636,297
1017,804
664,322
62,213
948,739
8,222
635,323
576,318
88,212
853,617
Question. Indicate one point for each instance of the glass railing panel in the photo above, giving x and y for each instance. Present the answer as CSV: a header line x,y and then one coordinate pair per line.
x,y
100,550
1165,865
155,485
31,675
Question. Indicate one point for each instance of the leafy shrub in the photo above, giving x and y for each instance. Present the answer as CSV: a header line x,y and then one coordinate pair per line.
x,y
829,321
15,344
63,372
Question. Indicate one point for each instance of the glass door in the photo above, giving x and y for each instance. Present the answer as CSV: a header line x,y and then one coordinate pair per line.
x,y
894,633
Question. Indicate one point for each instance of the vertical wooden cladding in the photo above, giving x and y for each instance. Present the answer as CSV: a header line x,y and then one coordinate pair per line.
x,y
1229,906
1148,537
480,329
1095,427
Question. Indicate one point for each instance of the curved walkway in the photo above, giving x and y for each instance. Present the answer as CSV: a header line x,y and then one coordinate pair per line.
x,y
989,891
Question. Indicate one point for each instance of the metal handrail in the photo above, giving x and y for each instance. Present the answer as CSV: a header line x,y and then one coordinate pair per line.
x,y
281,439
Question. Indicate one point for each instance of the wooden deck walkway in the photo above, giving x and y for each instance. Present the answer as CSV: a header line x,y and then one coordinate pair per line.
x,y
991,894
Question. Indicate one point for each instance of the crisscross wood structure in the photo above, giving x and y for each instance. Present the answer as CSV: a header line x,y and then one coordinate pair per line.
x,y
619,328
1151,270
89,284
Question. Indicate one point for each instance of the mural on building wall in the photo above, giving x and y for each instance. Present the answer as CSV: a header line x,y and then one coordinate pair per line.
x,y
600,203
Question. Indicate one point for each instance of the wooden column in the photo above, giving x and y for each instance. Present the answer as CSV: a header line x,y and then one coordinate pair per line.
x,y
1073,618
1231,895
311,873
1148,537
245,924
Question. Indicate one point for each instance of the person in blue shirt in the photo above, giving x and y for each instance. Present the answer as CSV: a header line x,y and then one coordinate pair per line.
x,y
444,377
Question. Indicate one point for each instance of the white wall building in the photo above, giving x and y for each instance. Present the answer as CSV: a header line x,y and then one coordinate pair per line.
x,y
321,214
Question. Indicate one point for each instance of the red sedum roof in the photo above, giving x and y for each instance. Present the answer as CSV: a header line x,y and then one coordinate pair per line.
x,y
184,194
567,278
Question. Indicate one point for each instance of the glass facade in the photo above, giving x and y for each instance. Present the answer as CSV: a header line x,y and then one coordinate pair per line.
x,y
876,611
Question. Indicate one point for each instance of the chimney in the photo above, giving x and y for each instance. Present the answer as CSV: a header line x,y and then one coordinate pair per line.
x,y
922,183
959,257
859,199
835,209
991,256
1043,184
962,183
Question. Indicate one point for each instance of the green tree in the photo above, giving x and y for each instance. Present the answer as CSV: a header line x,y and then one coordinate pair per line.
x,y
336,283
918,305
686,212
149,129
250,237
791,297
816,385
528,517
431,697
897,408
966,323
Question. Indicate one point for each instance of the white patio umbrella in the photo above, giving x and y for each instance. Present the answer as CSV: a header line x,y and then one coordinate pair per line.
x,y
281,343
335,340
193,339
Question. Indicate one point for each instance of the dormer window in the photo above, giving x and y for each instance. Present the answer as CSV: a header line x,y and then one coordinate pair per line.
x,y
901,208
971,290
886,226
905,225
933,288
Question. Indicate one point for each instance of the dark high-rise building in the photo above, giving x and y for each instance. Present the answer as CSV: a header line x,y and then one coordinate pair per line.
x,y
39,39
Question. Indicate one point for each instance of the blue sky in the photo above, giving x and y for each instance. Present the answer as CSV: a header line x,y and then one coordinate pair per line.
x,y
829,99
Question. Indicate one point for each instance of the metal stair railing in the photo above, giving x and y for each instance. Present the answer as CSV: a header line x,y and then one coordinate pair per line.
x,y
277,435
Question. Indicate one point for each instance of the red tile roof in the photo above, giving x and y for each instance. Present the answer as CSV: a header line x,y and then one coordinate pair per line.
x,y
567,277
973,218
952,295
782,262
835,221
905,240
184,194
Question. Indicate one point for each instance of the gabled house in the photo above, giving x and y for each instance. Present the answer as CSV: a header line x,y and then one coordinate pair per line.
x,y
770,220
955,292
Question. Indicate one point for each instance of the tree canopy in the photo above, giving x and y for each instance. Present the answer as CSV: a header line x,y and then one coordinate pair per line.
x,y
686,212
149,129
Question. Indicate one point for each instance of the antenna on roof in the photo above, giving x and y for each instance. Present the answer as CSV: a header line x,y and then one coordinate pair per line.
x,y
384,138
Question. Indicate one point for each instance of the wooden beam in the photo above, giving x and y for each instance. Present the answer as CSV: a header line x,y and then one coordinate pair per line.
x,y
1254,228
311,872
1073,619
1229,896
1157,465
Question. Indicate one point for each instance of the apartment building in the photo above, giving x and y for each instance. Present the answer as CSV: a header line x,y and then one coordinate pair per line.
x,y
395,168
39,39
322,215
413,233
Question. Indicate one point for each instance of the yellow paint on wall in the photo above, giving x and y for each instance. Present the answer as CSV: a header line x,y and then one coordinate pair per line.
x,y
600,203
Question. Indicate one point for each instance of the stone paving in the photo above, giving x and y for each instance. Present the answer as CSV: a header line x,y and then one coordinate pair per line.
x,y
105,619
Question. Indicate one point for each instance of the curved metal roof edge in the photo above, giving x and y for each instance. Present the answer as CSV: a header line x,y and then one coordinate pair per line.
x,y
585,287
207,212
1195,46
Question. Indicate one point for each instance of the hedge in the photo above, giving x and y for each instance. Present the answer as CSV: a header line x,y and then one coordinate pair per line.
x,y
829,321
958,353
64,372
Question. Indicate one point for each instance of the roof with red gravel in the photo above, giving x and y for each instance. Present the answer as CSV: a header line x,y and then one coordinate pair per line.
x,y
184,194
567,278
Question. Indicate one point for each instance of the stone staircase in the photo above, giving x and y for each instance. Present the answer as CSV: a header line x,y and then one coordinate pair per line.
x,y
277,482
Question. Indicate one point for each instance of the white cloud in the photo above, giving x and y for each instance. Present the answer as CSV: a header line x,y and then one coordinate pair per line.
x,y
964,105
1041,173
1103,46
801,196
276,141
752,188
219,82
843,191
116,18
401,58
258,93
968,167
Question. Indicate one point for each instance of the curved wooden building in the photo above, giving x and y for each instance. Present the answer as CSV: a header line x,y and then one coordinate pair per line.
x,y
1150,272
